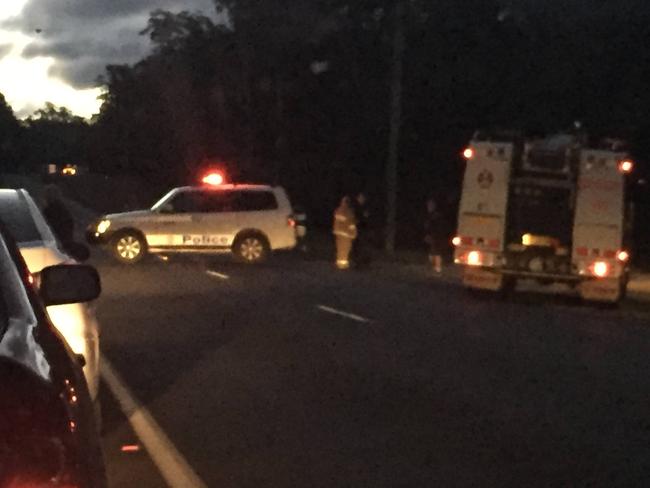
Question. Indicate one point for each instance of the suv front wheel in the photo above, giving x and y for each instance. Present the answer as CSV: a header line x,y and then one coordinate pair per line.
x,y
251,248
129,247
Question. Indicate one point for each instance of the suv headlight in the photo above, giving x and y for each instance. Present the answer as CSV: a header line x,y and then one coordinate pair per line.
x,y
103,226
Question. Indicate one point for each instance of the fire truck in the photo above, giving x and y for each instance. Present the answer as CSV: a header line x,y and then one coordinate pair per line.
x,y
549,209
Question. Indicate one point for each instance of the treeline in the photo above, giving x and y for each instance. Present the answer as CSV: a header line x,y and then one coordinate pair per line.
x,y
298,92
51,135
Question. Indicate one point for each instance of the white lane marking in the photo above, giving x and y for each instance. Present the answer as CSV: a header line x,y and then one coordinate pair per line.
x,y
217,274
171,463
351,316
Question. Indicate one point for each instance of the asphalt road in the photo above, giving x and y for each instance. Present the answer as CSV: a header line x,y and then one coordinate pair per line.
x,y
293,374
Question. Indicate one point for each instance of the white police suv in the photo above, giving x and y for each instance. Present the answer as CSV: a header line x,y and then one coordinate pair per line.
x,y
249,221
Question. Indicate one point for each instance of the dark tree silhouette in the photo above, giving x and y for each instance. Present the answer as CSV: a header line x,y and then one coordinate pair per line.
x,y
9,138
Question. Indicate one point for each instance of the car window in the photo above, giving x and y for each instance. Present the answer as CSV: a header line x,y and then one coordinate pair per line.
x,y
238,201
217,201
44,230
14,302
16,216
253,201
187,202
4,316
164,200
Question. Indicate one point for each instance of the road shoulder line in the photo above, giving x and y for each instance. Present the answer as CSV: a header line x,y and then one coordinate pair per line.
x,y
170,462
347,315
216,274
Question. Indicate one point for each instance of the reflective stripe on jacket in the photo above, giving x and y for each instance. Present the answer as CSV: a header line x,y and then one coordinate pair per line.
x,y
345,223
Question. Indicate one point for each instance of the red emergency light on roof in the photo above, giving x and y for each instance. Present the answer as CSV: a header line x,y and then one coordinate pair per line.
x,y
213,179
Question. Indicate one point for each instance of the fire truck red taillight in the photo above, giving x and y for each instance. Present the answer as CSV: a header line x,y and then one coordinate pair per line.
x,y
623,256
457,241
468,153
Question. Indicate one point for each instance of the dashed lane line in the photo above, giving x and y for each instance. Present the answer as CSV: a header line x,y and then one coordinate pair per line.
x,y
216,274
170,462
347,315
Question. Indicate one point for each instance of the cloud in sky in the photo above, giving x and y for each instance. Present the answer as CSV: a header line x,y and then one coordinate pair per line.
x,y
68,44
5,49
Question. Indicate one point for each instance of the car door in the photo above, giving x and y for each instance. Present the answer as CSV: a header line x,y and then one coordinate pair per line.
x,y
217,218
174,224
234,211
259,209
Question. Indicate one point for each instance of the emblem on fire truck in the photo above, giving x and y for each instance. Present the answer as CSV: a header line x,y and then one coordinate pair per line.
x,y
485,179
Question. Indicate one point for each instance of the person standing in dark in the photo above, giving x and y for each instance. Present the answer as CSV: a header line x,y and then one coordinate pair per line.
x,y
432,231
345,232
361,256
58,216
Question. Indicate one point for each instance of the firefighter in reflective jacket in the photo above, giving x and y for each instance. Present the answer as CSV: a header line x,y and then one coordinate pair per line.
x,y
345,231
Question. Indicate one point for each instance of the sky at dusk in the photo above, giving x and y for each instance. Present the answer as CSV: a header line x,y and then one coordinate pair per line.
x,y
55,50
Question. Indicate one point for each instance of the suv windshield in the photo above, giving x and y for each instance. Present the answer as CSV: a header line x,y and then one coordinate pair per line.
x,y
164,200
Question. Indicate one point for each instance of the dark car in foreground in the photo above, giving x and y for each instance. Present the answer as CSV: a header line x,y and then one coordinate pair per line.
x,y
48,435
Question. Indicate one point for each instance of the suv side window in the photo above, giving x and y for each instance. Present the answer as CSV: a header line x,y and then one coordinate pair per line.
x,y
253,201
187,202
238,201
217,202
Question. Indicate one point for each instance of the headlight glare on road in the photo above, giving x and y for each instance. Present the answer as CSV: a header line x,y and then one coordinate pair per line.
x,y
103,226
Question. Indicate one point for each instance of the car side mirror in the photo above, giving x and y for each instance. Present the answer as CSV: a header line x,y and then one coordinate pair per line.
x,y
69,283
78,251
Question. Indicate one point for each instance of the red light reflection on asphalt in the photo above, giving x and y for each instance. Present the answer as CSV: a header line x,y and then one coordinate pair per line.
x,y
130,448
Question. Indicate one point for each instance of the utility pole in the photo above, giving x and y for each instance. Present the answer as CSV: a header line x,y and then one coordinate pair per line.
x,y
399,45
